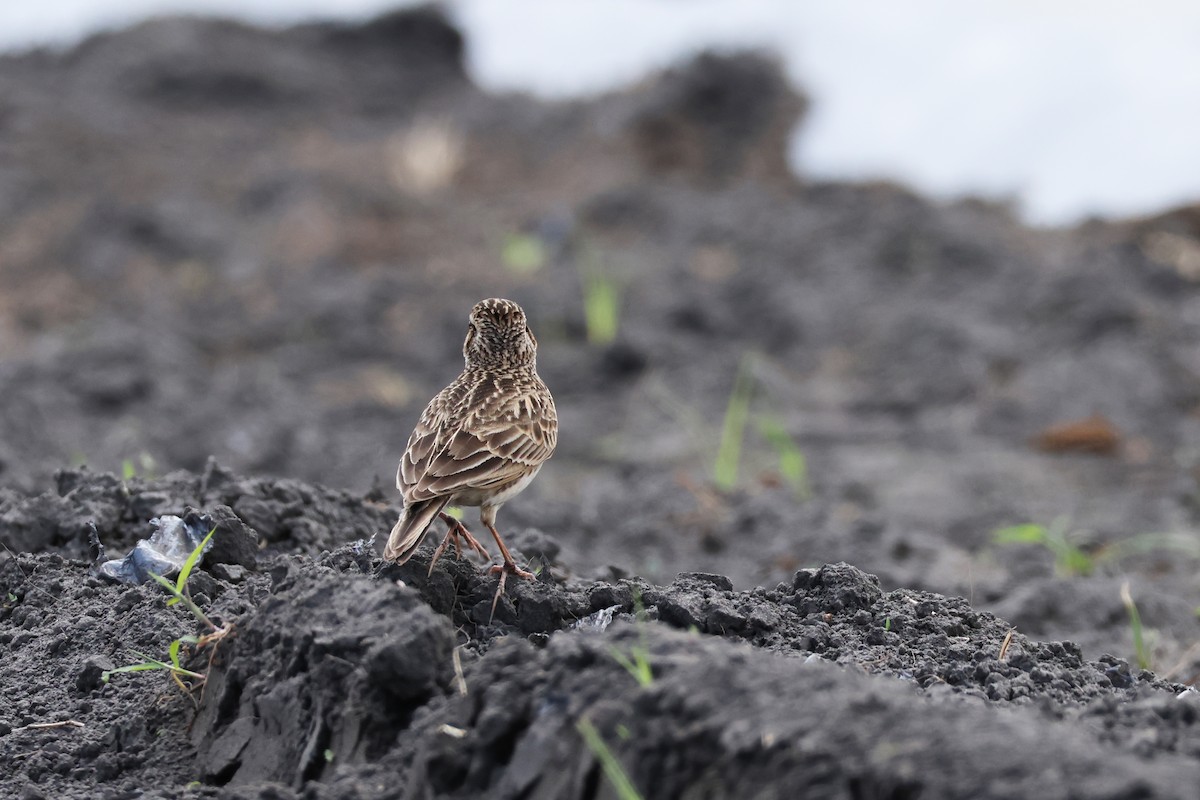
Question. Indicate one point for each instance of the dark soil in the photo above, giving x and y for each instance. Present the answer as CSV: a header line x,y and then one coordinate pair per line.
x,y
223,241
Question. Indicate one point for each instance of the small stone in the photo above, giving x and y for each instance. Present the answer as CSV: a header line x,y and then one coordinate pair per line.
x,y
681,610
230,573
90,672
605,595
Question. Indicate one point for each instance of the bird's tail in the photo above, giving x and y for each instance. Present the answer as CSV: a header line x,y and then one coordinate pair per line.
x,y
406,536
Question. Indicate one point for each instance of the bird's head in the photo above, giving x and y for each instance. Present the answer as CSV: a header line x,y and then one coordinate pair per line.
x,y
498,335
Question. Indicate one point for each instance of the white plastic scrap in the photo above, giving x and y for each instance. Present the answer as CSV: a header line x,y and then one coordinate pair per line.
x,y
172,541
597,621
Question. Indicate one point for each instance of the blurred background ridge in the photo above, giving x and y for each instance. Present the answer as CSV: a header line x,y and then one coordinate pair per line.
x,y
1064,109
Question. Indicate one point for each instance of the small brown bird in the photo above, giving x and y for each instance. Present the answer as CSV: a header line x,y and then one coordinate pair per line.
x,y
480,441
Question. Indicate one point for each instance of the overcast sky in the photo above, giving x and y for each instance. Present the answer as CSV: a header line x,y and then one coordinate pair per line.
x,y
1069,108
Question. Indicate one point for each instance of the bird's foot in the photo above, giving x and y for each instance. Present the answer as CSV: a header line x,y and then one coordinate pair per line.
x,y
504,570
454,535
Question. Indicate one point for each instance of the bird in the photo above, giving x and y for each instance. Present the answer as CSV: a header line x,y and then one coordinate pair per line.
x,y
479,442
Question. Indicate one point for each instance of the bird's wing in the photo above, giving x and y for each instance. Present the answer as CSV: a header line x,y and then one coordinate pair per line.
x,y
423,442
468,445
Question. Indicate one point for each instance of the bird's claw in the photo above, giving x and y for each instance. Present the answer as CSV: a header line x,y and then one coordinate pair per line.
x,y
504,570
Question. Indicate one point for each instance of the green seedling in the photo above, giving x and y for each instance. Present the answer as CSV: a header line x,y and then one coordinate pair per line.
x,y
733,428
178,592
1069,560
637,661
613,770
177,589
523,253
600,306
1143,543
601,297
129,468
793,466
1140,648
173,667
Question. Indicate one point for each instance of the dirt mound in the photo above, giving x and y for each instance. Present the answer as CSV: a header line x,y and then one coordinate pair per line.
x,y
348,678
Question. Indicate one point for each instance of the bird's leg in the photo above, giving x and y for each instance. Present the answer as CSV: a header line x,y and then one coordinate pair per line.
x,y
509,567
460,530
454,533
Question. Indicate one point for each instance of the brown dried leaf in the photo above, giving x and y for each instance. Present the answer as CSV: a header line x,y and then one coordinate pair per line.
x,y
1095,434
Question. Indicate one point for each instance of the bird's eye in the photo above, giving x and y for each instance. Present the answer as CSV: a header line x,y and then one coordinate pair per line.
x,y
532,338
470,334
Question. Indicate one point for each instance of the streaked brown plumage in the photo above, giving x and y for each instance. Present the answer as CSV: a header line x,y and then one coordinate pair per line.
x,y
480,441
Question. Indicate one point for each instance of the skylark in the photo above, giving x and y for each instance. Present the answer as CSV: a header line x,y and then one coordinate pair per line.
x,y
480,441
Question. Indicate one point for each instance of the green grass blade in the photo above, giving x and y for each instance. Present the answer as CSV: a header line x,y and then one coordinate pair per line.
x,y
166,584
793,466
154,663
104,676
600,308
643,673
621,658
179,597
150,663
193,558
1186,544
1135,625
523,253
1069,559
1020,534
608,762
733,428
638,666
1072,561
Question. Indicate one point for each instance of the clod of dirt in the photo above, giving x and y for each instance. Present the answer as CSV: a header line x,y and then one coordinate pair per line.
x,y
348,678
234,542
327,665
